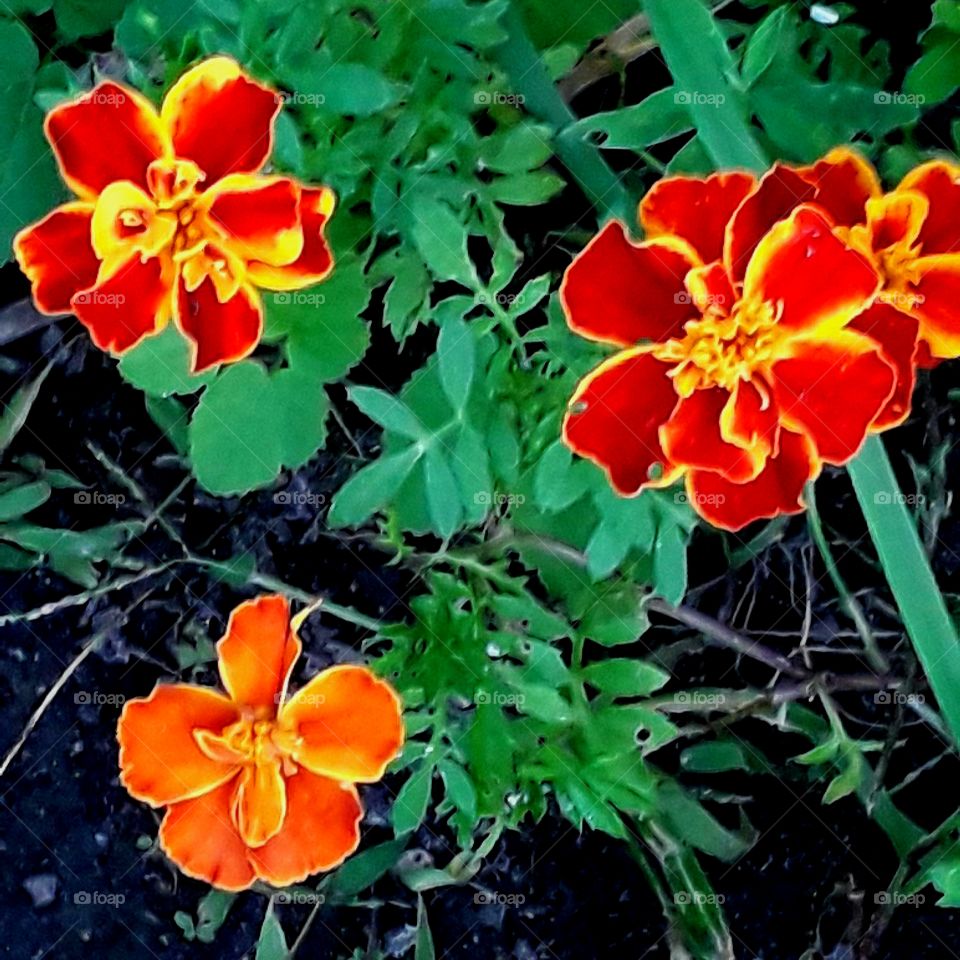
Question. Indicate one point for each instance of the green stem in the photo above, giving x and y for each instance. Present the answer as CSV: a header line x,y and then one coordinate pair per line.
x,y
519,59
849,603
911,579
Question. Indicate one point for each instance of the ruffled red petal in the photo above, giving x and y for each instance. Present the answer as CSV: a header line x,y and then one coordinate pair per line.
x,y
939,182
845,180
695,209
778,489
57,256
624,293
615,416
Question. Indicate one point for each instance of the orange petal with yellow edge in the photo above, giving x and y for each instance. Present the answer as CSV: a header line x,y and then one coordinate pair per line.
x,y
108,134
780,191
315,260
933,300
219,331
750,419
820,281
200,837
160,760
777,489
833,390
129,304
691,438
260,803
624,293
896,332
221,119
257,652
845,181
939,182
258,216
615,416
695,209
57,256
321,829
347,723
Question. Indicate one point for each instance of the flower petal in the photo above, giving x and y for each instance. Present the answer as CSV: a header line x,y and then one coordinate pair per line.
x,y
200,837
258,651
321,829
778,489
615,416
108,134
750,419
57,257
896,332
694,209
939,182
221,119
933,300
160,761
833,389
126,305
845,182
315,260
691,438
260,803
776,196
221,332
258,216
710,288
127,221
820,281
895,218
348,724
624,293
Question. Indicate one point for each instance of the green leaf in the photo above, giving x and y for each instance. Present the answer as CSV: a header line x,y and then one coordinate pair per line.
x,y
272,944
443,494
621,677
670,562
456,355
703,69
355,89
526,189
18,409
559,481
160,365
423,949
86,18
171,416
21,500
211,913
410,806
659,117
388,410
442,241
249,424
523,147
363,869
371,488
717,756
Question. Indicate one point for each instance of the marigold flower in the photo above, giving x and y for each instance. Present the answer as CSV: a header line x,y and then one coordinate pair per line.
x,y
739,367
259,784
170,219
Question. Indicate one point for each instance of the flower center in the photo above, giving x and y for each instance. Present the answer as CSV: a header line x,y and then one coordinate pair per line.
x,y
250,741
719,351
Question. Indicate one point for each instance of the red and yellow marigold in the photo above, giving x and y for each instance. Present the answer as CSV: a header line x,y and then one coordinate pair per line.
x,y
259,784
171,218
750,351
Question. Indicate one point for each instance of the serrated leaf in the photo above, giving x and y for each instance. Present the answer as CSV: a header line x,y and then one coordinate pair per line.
x,y
456,359
160,365
410,805
443,493
620,677
389,411
371,488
